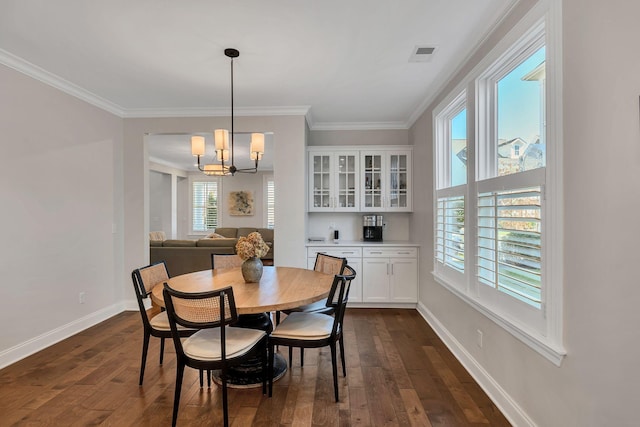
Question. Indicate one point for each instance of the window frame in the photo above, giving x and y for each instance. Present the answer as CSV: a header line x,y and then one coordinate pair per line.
x,y
444,191
203,178
542,329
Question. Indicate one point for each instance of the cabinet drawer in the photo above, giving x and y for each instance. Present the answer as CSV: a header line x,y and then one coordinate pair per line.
x,y
386,252
343,252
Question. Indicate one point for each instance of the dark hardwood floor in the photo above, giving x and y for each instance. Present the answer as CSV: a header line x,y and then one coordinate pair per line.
x,y
398,373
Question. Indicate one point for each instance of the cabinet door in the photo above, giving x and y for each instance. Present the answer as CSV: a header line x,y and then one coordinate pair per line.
x,y
355,292
346,180
320,182
398,195
372,185
404,280
375,279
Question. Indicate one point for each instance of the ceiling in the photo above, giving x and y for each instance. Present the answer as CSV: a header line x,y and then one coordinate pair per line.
x,y
343,64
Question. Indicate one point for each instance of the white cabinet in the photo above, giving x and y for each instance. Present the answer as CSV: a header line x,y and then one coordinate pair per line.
x,y
334,181
390,274
354,259
360,179
385,180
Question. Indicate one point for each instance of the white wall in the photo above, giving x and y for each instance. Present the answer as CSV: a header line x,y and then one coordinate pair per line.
x,y
160,202
61,215
596,385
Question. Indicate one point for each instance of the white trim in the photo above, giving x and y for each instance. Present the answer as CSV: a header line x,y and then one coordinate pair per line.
x,y
544,346
359,126
40,74
33,345
214,112
554,187
507,405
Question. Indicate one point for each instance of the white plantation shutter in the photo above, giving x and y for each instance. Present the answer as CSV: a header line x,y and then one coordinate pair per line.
x,y
204,205
271,203
509,243
450,232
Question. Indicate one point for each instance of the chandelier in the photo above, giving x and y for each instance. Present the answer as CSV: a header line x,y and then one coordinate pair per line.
x,y
224,150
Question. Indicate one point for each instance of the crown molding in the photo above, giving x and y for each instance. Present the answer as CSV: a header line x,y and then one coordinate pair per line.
x,y
40,74
215,112
360,126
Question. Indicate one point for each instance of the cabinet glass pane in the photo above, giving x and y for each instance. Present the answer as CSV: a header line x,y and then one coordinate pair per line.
x,y
321,181
398,181
346,180
373,181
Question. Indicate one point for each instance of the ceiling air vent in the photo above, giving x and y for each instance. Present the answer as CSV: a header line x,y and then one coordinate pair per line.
x,y
422,54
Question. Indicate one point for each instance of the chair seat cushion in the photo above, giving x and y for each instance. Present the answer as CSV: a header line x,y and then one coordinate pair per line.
x,y
318,306
161,322
205,344
304,326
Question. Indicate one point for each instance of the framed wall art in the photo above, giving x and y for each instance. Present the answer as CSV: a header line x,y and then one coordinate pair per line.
x,y
240,203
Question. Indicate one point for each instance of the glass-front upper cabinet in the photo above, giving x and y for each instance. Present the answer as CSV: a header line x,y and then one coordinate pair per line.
x,y
372,171
386,181
333,181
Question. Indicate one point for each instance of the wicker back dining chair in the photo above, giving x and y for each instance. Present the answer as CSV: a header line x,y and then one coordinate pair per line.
x,y
216,344
225,261
313,330
144,279
327,264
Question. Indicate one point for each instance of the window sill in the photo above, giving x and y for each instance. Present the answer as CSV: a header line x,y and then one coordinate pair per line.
x,y
550,350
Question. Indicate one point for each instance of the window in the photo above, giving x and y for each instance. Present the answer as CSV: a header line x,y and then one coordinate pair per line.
x,y
270,201
205,205
451,128
494,179
508,189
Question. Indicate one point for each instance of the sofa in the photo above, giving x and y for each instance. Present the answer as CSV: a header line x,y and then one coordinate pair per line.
x,y
186,256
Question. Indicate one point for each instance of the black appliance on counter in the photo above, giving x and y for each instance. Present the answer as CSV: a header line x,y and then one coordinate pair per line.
x,y
372,228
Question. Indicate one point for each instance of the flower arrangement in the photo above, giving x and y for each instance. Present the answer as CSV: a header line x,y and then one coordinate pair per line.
x,y
251,246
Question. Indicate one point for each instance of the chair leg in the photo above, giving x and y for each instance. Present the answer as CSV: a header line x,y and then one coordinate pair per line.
x,y
176,398
145,348
301,356
209,378
334,365
225,408
270,369
290,356
344,365
265,369
161,349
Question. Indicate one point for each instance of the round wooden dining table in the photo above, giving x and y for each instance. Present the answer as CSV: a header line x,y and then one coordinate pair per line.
x,y
280,288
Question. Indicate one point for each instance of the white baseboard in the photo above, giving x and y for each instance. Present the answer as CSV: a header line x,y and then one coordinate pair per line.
x,y
29,347
511,410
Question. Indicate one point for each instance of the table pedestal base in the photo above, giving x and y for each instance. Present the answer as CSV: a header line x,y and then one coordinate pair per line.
x,y
250,373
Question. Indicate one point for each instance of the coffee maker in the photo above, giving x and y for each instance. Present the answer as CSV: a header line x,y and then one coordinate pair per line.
x,y
372,228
